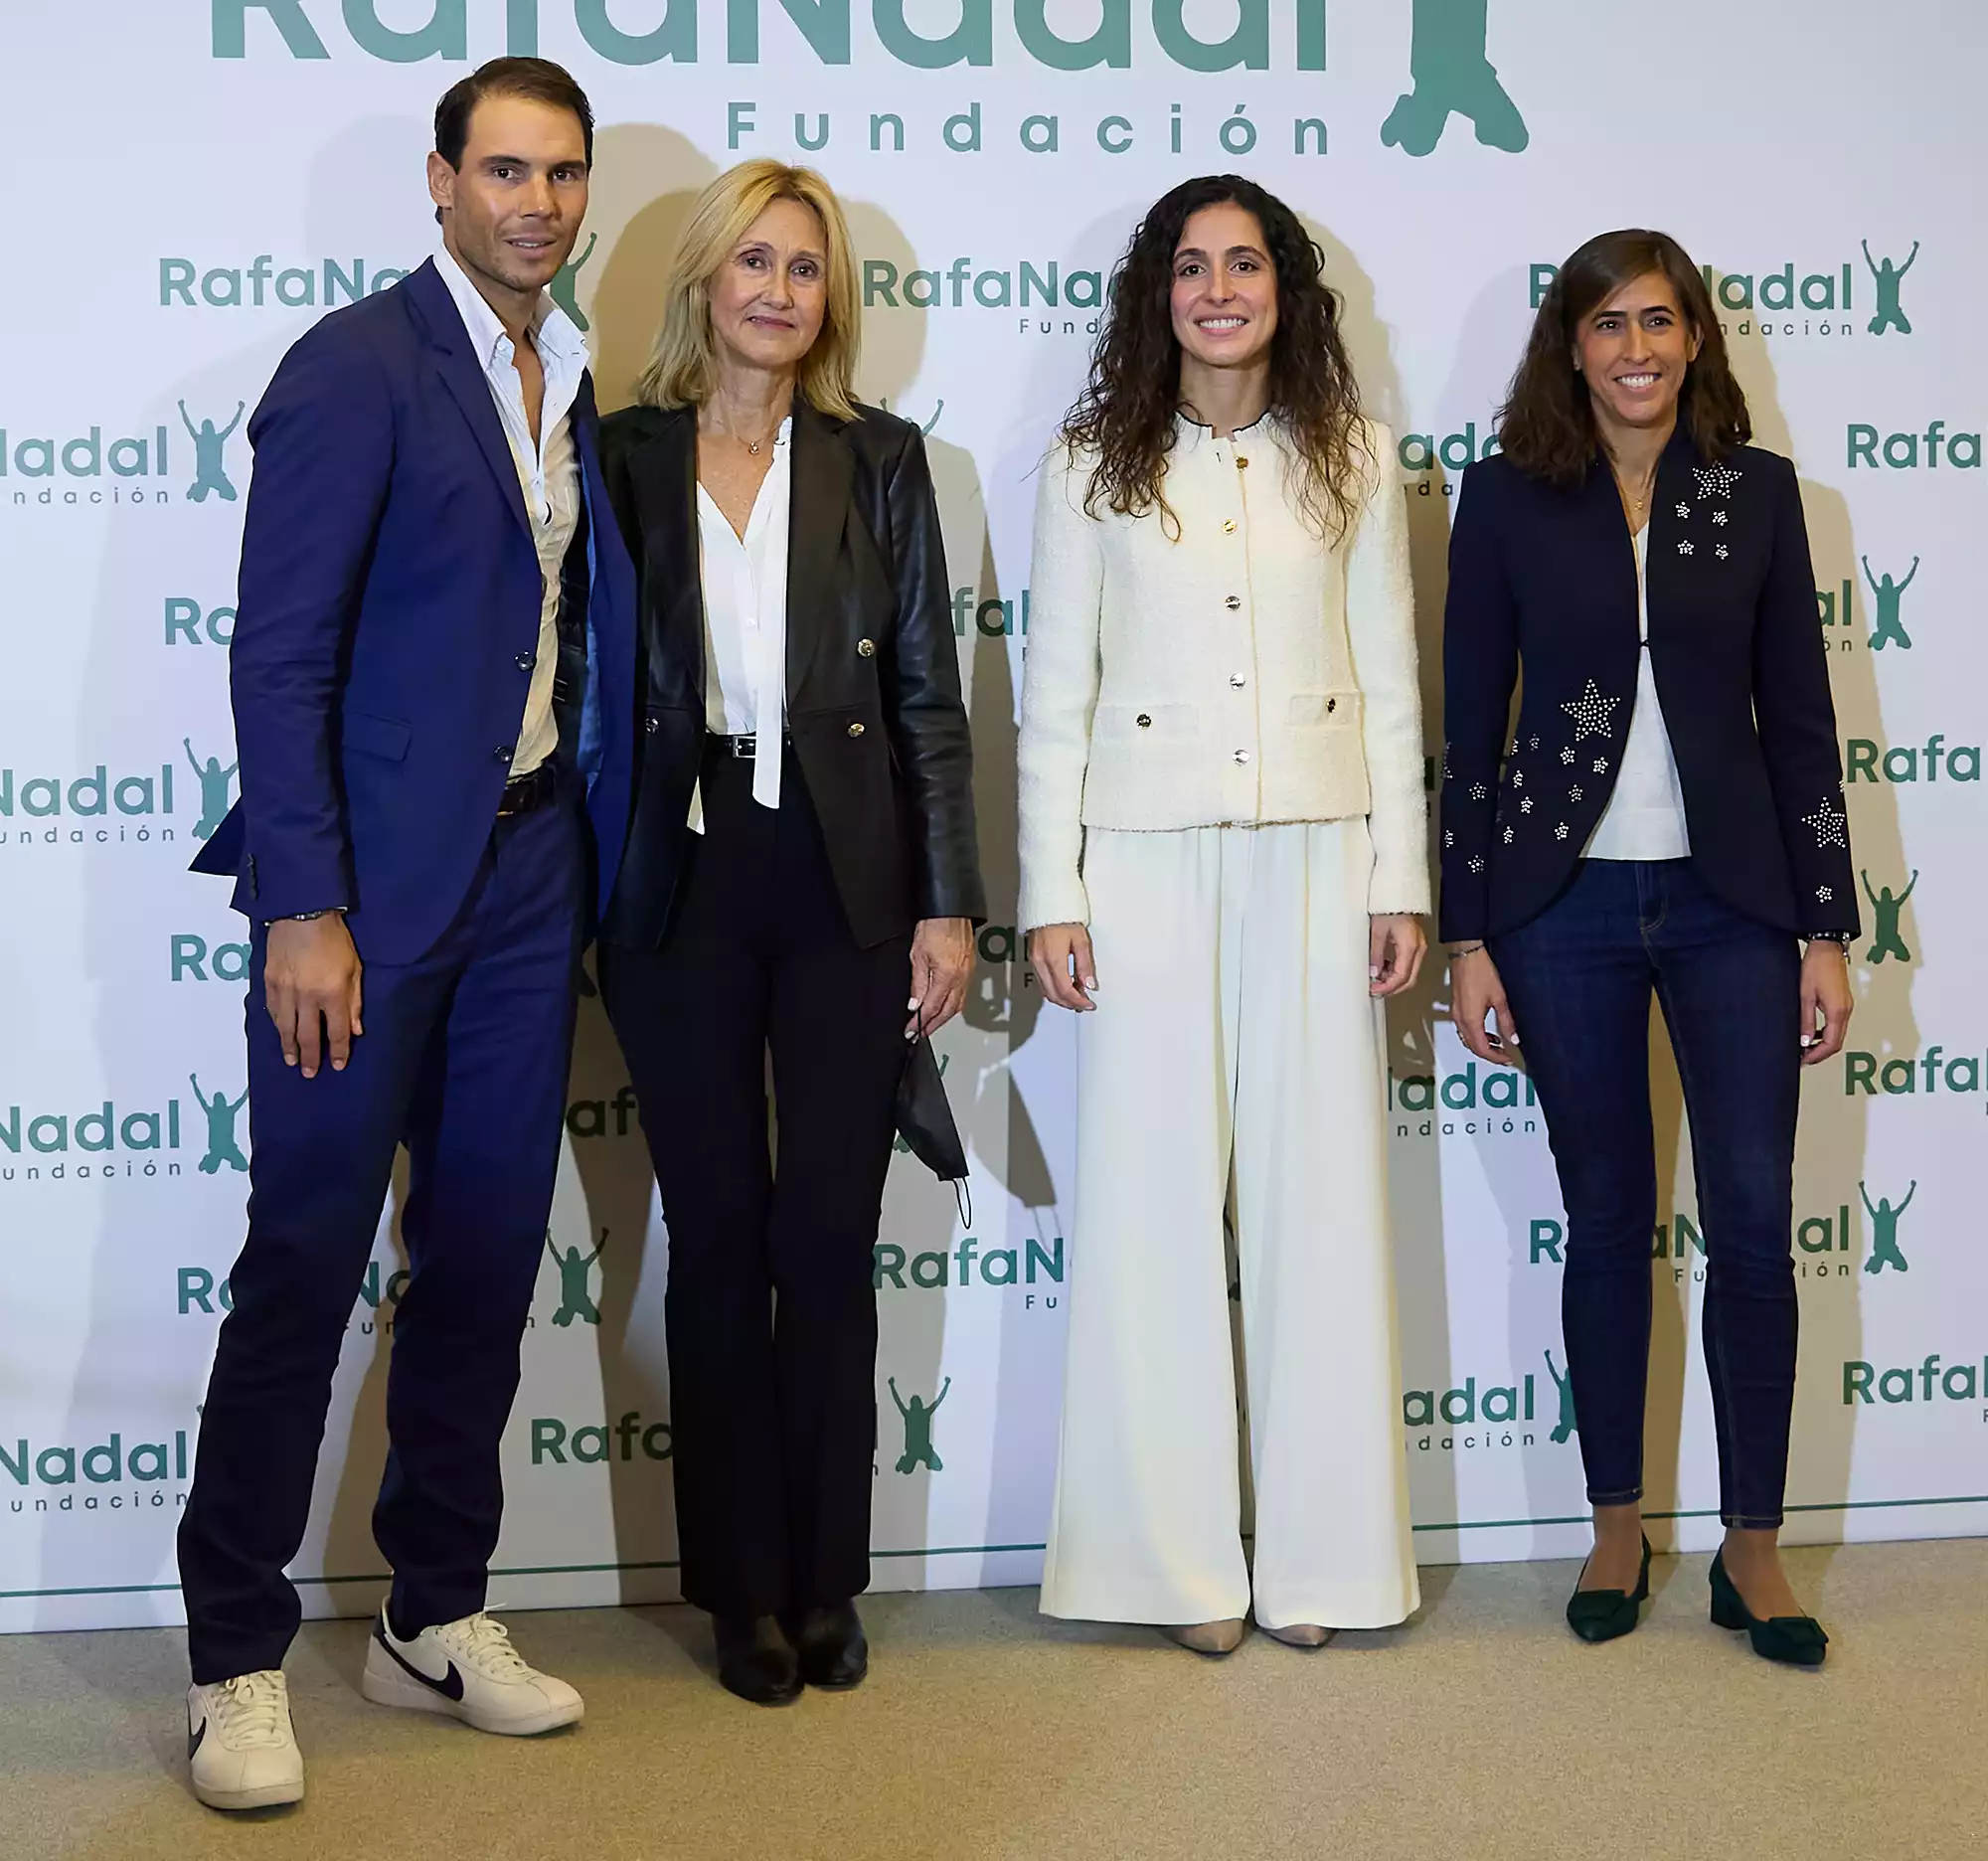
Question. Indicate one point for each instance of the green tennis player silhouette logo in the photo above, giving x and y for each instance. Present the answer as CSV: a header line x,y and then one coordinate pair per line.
x,y
221,1111
210,455
1566,1426
1889,630
575,1283
1450,73
1890,275
883,402
1886,906
918,1414
1884,1231
213,791
566,282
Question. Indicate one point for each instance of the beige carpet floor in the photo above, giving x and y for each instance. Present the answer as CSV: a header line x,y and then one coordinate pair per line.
x,y
1480,1729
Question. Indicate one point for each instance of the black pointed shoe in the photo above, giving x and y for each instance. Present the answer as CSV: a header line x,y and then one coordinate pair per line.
x,y
834,1651
1797,1640
1608,1614
756,1661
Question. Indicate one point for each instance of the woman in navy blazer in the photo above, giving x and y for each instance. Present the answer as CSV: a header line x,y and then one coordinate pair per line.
x,y
1666,814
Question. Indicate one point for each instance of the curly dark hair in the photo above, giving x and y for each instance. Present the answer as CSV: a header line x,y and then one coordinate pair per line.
x,y
1546,424
1125,414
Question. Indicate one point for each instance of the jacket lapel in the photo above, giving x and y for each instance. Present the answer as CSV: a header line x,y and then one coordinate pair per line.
x,y
462,374
1674,486
823,471
664,471
1604,531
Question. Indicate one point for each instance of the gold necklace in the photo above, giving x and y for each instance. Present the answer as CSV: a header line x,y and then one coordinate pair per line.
x,y
754,446
1635,504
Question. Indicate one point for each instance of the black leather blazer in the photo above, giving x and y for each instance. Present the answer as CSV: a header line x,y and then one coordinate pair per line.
x,y
873,677
1546,575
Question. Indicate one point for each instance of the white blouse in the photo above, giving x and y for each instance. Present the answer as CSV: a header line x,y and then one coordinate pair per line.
x,y
746,618
1644,818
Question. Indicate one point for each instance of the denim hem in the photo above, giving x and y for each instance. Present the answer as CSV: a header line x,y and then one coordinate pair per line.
x,y
1628,1498
1743,1521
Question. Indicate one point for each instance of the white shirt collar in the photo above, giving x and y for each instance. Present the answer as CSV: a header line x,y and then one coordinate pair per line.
x,y
552,329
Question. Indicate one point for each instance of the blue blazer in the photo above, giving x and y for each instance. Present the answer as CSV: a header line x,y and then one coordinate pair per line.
x,y
388,616
1546,576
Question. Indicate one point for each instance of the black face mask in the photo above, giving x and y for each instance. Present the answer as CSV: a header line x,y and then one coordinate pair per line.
x,y
925,1120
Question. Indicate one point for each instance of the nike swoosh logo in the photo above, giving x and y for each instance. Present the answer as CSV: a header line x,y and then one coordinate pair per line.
x,y
449,1686
194,1739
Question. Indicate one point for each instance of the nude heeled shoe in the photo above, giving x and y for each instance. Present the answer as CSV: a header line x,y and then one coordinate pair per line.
x,y
1209,1637
1303,1634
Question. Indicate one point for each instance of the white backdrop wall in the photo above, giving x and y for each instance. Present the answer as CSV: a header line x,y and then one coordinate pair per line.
x,y
210,175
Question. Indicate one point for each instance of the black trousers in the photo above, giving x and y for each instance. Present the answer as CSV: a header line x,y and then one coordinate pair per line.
x,y
770,1315
463,1059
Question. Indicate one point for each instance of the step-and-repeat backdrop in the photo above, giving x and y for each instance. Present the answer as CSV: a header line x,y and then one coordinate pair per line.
x,y
208,177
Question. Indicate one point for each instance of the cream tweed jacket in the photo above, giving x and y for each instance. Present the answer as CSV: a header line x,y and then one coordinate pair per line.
x,y
1235,671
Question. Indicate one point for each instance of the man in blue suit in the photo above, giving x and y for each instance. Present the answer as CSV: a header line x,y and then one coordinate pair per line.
x,y
434,688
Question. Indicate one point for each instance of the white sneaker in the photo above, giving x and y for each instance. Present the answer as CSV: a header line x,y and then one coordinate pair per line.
x,y
469,1670
240,1744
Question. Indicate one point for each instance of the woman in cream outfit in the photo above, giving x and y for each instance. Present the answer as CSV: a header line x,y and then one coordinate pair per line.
x,y
1223,823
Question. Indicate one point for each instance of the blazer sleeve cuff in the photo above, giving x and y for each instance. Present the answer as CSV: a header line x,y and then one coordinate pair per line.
x,y
1400,882
959,899
1399,888
1062,899
1826,895
292,879
1466,912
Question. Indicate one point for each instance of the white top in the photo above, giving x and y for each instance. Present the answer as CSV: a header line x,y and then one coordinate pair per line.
x,y
1235,669
746,617
548,471
1644,818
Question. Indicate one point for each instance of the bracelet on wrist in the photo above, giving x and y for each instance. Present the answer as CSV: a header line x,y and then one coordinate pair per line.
x,y
1462,950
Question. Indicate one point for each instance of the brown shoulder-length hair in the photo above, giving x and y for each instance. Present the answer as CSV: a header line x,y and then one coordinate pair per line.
x,y
1124,418
1547,425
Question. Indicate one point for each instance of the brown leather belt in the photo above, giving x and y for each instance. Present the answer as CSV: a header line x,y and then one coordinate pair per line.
x,y
524,793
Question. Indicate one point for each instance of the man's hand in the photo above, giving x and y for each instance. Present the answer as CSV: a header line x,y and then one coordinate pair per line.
x,y
311,976
941,963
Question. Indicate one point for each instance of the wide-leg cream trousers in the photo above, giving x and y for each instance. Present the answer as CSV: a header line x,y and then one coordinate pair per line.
x,y
1233,1065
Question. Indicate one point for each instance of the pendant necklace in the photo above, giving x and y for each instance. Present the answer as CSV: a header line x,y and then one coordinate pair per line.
x,y
1636,505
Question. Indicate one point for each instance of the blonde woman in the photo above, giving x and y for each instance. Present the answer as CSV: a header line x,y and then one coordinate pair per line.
x,y
801,881
1223,863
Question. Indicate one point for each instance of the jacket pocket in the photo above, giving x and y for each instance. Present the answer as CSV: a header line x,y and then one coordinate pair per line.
x,y
1323,709
376,736
1160,723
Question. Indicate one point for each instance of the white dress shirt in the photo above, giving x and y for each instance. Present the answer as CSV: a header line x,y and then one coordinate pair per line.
x,y
1227,665
548,471
1644,818
746,618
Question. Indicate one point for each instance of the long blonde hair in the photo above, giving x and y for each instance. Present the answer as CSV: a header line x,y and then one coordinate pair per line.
x,y
683,368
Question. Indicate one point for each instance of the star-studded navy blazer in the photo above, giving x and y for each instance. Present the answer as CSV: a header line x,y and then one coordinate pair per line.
x,y
1545,576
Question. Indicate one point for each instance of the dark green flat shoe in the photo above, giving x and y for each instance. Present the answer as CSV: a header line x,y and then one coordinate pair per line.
x,y
1797,1640
1608,1614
